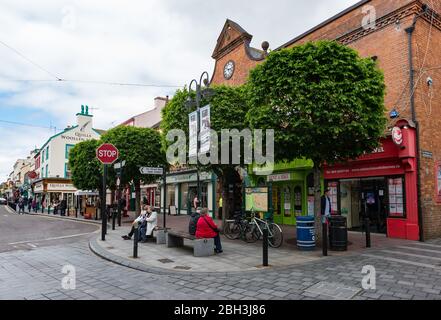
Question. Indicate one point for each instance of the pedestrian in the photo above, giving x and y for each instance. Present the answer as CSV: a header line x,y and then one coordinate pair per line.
x,y
326,208
219,215
34,205
21,205
206,229
124,207
30,204
196,202
63,207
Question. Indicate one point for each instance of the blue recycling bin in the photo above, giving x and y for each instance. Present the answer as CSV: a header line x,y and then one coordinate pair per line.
x,y
305,233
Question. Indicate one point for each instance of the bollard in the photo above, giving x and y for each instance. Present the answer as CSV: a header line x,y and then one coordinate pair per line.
x,y
113,219
368,232
135,242
325,238
265,246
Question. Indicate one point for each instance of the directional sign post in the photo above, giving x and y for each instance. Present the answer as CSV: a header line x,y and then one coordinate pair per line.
x,y
107,154
158,171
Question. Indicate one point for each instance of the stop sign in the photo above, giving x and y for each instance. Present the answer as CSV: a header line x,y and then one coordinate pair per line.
x,y
107,153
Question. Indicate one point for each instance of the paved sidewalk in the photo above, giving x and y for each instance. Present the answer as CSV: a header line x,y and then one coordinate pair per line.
x,y
237,257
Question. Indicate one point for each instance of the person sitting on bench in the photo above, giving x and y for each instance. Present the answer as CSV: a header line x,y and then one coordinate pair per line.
x,y
206,228
149,224
138,221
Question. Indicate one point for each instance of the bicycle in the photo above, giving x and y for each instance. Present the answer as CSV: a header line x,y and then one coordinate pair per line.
x,y
275,235
238,228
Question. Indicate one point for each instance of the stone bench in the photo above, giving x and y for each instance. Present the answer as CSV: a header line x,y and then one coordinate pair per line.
x,y
201,247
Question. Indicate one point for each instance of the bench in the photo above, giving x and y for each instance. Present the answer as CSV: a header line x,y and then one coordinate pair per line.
x,y
201,247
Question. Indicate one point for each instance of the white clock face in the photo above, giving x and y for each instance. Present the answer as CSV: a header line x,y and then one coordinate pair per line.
x,y
229,69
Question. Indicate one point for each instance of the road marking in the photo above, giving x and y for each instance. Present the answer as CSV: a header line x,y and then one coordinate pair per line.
x,y
419,249
411,254
10,210
418,264
32,245
5,215
54,238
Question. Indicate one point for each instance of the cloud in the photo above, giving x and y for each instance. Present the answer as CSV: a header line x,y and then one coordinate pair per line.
x,y
153,42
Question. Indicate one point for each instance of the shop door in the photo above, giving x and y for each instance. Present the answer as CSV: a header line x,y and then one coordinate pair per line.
x,y
373,195
192,192
277,207
292,203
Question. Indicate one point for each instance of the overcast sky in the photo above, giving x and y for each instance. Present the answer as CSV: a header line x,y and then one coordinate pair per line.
x,y
158,42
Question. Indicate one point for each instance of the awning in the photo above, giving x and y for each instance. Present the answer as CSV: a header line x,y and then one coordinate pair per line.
x,y
86,193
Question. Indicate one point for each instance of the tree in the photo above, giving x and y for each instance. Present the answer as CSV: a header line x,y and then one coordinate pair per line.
x,y
139,147
324,102
84,166
228,111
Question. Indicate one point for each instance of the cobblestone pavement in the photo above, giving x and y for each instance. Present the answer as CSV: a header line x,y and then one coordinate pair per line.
x,y
404,272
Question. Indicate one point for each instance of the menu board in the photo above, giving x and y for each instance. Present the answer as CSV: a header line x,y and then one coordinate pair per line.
x,y
333,194
396,197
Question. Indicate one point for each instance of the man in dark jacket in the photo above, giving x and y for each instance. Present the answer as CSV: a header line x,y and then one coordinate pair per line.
x,y
194,221
326,205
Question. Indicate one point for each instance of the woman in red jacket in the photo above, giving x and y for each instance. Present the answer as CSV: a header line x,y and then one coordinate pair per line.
x,y
206,228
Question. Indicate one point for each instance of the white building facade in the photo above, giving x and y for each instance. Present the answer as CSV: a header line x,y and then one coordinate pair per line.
x,y
53,181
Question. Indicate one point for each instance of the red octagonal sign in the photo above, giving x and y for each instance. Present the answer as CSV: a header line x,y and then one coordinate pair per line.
x,y
107,153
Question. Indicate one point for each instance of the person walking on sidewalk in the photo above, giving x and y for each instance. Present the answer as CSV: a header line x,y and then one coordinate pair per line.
x,y
30,204
206,229
21,205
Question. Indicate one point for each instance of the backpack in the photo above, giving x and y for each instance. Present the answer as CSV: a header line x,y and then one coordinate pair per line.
x,y
193,223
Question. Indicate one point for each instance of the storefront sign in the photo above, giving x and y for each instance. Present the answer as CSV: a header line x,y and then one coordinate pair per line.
x,y
189,177
427,154
38,187
60,187
397,136
279,177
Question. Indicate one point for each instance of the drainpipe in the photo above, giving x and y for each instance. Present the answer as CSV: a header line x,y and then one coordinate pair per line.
x,y
410,32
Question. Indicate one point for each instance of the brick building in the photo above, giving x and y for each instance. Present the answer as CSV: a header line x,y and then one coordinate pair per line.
x,y
403,179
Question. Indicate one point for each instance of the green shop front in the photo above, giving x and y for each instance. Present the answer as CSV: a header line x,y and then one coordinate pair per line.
x,y
292,188
182,188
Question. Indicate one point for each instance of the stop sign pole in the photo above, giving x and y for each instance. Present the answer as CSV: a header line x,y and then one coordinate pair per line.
x,y
107,154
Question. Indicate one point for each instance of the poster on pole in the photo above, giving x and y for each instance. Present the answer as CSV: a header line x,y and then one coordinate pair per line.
x,y
193,133
205,126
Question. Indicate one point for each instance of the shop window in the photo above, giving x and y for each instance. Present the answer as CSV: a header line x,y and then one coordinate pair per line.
x,y
396,197
47,153
298,201
333,194
68,148
438,181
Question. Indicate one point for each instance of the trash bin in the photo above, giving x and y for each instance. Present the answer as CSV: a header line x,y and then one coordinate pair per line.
x,y
305,233
338,233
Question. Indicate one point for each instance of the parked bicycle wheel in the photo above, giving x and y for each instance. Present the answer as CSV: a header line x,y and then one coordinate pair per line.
x,y
232,230
275,235
250,233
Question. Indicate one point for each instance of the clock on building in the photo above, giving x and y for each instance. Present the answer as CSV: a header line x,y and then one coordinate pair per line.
x,y
229,69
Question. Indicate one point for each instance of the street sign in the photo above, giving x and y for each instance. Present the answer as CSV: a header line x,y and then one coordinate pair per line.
x,y
107,153
151,170
119,165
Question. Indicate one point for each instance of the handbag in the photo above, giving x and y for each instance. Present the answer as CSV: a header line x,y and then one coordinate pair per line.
x,y
214,229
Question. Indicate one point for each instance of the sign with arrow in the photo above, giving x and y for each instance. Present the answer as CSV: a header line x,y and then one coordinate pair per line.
x,y
151,170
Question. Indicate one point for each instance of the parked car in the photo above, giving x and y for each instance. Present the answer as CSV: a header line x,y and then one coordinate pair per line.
x,y
3,201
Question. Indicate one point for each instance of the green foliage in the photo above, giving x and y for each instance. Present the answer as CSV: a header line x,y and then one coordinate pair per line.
x,y
228,111
324,102
85,168
138,147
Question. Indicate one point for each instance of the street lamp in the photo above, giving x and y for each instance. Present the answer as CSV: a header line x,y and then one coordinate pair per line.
x,y
200,94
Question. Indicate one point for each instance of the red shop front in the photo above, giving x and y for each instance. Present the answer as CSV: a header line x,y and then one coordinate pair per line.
x,y
381,185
